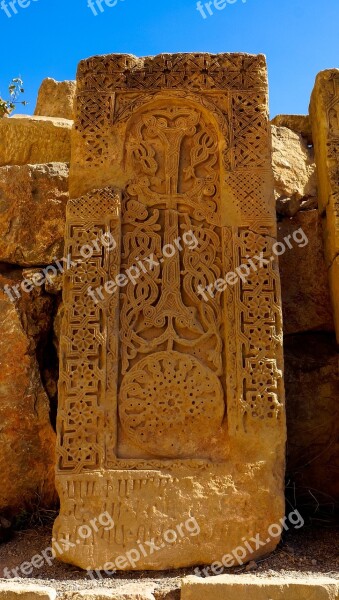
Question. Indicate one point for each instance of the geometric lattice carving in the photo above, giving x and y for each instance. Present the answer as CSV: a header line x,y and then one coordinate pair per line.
x,y
83,394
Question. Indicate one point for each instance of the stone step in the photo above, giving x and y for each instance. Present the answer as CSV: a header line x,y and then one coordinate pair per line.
x,y
125,592
249,587
223,587
26,591
129,591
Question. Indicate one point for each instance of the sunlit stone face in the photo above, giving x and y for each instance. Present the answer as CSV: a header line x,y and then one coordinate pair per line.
x,y
171,397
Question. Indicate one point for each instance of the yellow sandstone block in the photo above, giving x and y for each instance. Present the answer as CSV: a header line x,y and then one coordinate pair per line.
x,y
33,140
324,111
235,587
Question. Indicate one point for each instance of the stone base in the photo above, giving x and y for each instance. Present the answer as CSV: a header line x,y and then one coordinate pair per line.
x,y
126,592
14,591
156,520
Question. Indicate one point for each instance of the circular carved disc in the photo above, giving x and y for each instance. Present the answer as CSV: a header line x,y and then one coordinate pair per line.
x,y
170,403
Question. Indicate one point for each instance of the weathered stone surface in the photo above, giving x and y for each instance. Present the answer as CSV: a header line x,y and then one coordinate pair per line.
x,y
55,99
19,591
27,440
33,202
293,167
299,123
304,280
325,126
334,287
31,140
129,591
171,405
312,391
54,284
235,587
331,229
324,111
288,207
38,313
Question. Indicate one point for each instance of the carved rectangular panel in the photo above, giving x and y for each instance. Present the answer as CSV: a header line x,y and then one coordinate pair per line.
x,y
171,396
89,334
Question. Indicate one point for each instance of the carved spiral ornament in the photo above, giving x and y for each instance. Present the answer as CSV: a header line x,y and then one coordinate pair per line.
x,y
170,403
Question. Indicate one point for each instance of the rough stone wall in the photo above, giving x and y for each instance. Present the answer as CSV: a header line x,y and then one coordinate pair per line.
x,y
33,198
311,354
32,217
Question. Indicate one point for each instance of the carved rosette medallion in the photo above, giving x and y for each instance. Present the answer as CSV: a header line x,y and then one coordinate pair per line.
x,y
168,402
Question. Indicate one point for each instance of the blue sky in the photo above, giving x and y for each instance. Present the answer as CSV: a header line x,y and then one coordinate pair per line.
x,y
49,37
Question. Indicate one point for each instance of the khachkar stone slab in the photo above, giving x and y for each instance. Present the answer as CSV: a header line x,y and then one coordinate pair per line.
x,y
324,110
171,409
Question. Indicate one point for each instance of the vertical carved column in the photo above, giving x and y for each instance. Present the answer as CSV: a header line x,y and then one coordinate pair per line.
x,y
89,334
324,110
254,322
